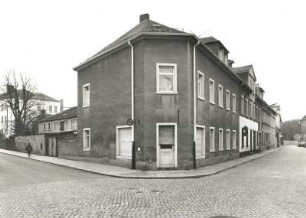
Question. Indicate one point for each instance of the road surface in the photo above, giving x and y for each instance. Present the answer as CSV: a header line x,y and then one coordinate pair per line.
x,y
272,186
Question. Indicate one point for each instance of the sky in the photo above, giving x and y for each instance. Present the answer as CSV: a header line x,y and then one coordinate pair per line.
x,y
45,39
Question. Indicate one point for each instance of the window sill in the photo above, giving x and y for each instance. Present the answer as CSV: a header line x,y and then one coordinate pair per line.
x,y
228,109
212,151
212,102
201,98
201,157
87,106
86,149
167,93
221,106
124,157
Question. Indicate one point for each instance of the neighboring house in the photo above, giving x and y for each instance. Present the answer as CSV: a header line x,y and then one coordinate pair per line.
x,y
60,132
278,124
39,101
174,96
267,121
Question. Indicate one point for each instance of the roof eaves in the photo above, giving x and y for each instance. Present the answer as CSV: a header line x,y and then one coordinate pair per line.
x,y
96,57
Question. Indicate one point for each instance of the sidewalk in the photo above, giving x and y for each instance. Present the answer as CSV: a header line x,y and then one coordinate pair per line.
x,y
122,172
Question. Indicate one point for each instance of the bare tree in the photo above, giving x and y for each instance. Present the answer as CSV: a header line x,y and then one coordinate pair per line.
x,y
19,95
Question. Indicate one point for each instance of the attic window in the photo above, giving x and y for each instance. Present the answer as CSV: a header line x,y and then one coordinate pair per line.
x,y
156,25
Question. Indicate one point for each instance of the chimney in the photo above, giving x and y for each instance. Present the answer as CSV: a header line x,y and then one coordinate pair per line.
x,y
61,105
143,17
230,63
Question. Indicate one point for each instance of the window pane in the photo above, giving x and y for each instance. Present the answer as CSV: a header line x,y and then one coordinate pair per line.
x,y
166,83
166,69
166,135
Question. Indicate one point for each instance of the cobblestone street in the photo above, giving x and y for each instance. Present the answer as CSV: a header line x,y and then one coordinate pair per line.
x,y
272,186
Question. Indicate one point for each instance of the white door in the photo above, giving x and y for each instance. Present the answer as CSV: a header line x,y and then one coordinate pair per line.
x,y
166,146
124,142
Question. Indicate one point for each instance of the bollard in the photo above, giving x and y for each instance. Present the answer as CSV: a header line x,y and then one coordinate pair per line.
x,y
133,156
194,155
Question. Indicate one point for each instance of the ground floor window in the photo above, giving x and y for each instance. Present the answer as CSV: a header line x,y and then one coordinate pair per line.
x,y
212,139
124,142
228,139
234,139
221,139
86,139
200,142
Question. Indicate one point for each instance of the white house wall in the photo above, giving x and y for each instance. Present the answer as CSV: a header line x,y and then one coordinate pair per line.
x,y
251,126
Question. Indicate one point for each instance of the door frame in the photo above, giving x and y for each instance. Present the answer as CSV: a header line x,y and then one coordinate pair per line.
x,y
118,128
157,142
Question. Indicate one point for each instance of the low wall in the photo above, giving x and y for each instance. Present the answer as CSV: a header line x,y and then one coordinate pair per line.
x,y
37,142
67,145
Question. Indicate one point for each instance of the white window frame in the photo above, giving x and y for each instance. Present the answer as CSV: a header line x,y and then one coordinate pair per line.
x,y
117,142
221,139
228,139
174,78
212,91
84,140
220,96
228,99
234,139
242,104
234,103
86,103
157,142
201,85
203,142
212,142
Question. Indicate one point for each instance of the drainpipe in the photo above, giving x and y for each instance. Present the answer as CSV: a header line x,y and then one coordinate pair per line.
x,y
194,100
132,87
132,106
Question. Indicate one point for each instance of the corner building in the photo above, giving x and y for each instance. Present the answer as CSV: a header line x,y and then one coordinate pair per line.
x,y
173,95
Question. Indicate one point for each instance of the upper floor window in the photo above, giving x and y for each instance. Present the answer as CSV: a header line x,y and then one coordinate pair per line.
x,y
50,109
221,54
246,107
228,100
200,85
234,103
211,91
220,91
242,105
86,95
166,78
62,125
55,109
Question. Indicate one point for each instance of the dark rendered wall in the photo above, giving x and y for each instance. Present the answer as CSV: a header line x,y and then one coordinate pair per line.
x,y
212,115
152,108
110,102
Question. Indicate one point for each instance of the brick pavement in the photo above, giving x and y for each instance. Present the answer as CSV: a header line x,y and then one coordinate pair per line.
x,y
273,186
